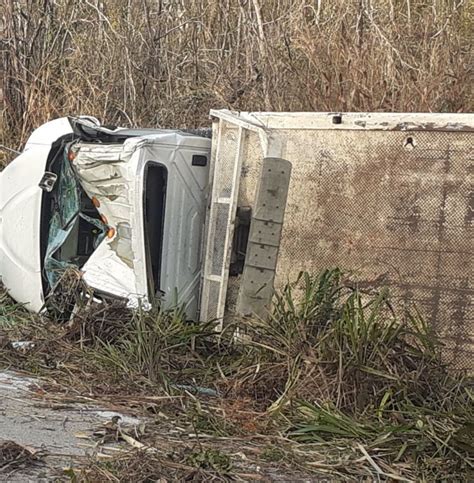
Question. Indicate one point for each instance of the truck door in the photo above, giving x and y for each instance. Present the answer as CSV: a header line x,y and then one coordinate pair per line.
x,y
176,182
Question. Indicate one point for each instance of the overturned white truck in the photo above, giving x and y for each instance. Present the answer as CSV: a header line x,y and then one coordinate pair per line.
x,y
216,223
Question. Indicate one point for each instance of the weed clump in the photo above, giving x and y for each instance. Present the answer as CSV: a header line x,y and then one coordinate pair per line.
x,y
352,368
342,345
158,345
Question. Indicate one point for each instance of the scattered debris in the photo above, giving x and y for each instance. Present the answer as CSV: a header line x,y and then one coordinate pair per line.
x,y
14,456
23,345
114,416
10,380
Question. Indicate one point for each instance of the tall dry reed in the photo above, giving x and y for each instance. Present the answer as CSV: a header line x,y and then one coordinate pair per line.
x,y
167,62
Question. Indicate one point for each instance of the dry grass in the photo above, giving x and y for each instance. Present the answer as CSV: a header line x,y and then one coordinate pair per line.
x,y
157,63
14,456
333,383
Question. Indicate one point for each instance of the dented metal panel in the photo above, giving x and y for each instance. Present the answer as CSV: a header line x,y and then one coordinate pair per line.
x,y
107,174
113,175
388,197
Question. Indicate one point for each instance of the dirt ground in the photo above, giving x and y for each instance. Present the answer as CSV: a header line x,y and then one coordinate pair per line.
x,y
64,437
55,431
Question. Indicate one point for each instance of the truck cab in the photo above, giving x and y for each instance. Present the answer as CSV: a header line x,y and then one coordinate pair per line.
x,y
124,207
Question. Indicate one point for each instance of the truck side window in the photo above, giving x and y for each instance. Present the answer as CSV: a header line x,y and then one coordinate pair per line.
x,y
156,177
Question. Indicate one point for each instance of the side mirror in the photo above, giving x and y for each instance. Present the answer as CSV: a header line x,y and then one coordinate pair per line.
x,y
48,181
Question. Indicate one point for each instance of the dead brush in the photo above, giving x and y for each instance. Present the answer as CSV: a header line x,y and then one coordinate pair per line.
x,y
89,317
167,63
205,465
14,456
94,322
69,293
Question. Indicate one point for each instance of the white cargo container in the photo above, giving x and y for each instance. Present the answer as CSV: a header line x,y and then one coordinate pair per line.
x,y
387,197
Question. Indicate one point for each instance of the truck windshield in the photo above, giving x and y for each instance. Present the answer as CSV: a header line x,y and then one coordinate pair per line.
x,y
71,226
